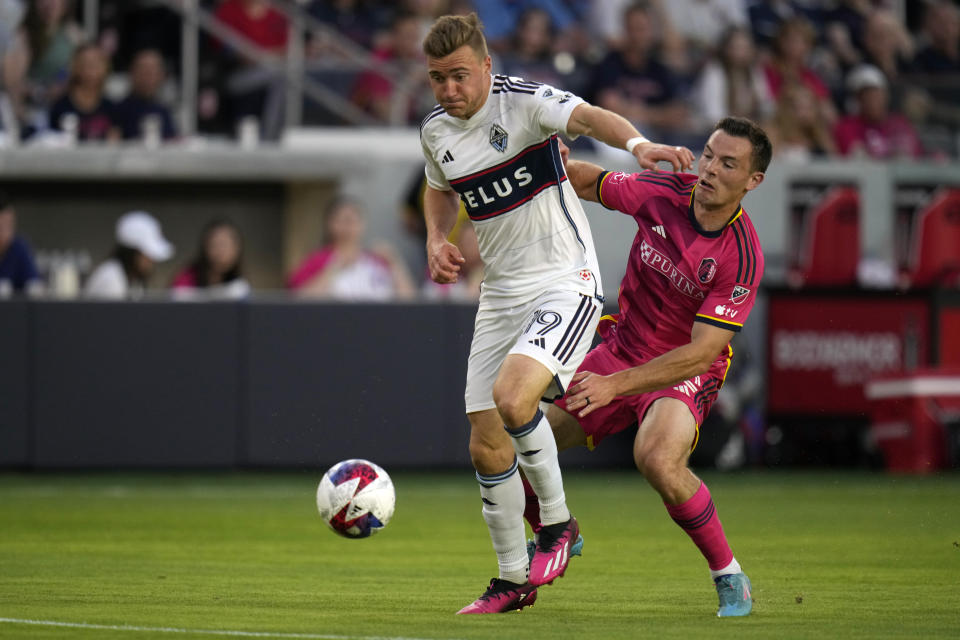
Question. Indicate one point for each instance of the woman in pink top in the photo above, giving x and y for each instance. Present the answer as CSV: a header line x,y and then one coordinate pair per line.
x,y
788,65
343,269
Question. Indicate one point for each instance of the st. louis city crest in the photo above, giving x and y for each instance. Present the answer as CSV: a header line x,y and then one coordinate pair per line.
x,y
498,137
708,269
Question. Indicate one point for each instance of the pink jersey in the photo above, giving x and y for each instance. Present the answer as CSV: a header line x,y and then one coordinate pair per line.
x,y
678,273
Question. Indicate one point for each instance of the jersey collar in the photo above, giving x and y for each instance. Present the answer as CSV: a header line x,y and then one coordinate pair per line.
x,y
696,223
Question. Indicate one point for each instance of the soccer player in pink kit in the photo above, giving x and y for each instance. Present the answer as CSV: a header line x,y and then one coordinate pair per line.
x,y
691,281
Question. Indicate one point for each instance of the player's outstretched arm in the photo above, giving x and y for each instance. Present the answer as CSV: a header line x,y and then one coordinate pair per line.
x,y
616,131
673,367
583,177
440,214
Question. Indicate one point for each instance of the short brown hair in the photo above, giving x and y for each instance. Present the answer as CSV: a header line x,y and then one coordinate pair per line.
x,y
449,33
760,145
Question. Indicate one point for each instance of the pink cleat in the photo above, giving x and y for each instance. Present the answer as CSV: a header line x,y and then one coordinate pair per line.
x,y
552,555
502,596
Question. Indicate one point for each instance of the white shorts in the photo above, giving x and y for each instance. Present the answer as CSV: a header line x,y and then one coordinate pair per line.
x,y
555,329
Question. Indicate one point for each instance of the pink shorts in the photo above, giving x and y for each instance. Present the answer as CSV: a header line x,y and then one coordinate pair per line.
x,y
698,393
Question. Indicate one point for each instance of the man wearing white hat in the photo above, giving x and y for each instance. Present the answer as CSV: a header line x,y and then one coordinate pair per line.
x,y
873,130
140,245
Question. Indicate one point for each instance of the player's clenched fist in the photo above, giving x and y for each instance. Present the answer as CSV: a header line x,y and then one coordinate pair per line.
x,y
444,260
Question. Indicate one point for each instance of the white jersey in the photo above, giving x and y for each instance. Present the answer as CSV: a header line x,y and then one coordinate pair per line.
x,y
505,164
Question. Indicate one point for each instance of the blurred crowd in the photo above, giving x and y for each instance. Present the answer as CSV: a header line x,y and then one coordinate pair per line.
x,y
345,265
828,78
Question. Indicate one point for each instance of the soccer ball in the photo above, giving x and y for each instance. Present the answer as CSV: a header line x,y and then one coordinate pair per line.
x,y
356,498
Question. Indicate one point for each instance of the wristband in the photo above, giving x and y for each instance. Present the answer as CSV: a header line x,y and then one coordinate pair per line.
x,y
633,142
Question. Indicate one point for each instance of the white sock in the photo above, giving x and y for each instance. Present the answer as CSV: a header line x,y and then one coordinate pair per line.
x,y
733,567
537,454
503,504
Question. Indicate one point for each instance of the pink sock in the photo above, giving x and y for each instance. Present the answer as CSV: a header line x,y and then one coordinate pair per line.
x,y
698,517
532,511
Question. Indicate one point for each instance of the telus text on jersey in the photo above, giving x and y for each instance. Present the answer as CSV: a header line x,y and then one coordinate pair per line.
x,y
502,187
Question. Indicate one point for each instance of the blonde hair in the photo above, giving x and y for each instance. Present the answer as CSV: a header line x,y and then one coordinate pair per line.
x,y
449,33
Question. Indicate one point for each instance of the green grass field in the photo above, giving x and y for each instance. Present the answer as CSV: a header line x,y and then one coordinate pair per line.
x,y
830,556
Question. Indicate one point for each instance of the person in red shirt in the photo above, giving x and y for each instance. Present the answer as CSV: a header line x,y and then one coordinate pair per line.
x,y
375,92
873,130
252,89
257,21
788,65
692,278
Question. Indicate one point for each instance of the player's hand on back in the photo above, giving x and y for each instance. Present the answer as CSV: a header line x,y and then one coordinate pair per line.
x,y
444,260
648,154
589,391
564,152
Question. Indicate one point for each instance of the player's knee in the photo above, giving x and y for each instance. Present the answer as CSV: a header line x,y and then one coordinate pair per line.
x,y
655,465
489,459
515,410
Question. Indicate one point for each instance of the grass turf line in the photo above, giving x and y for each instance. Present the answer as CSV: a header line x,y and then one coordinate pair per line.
x,y
830,555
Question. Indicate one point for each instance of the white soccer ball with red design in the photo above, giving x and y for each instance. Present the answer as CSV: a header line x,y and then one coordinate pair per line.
x,y
356,498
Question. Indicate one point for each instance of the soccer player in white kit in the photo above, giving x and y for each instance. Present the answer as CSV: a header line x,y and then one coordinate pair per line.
x,y
492,143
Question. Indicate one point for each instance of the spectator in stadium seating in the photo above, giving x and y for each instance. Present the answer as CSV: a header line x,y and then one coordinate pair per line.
x,y
127,28
874,131
839,56
148,73
257,21
216,270
633,82
426,11
887,46
344,269
36,64
529,54
18,271
768,16
605,22
85,99
940,53
789,65
796,129
733,83
355,19
934,103
11,13
704,23
500,18
376,93
853,16
252,89
139,246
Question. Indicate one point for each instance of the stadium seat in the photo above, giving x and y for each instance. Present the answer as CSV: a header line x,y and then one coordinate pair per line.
x,y
934,252
829,250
